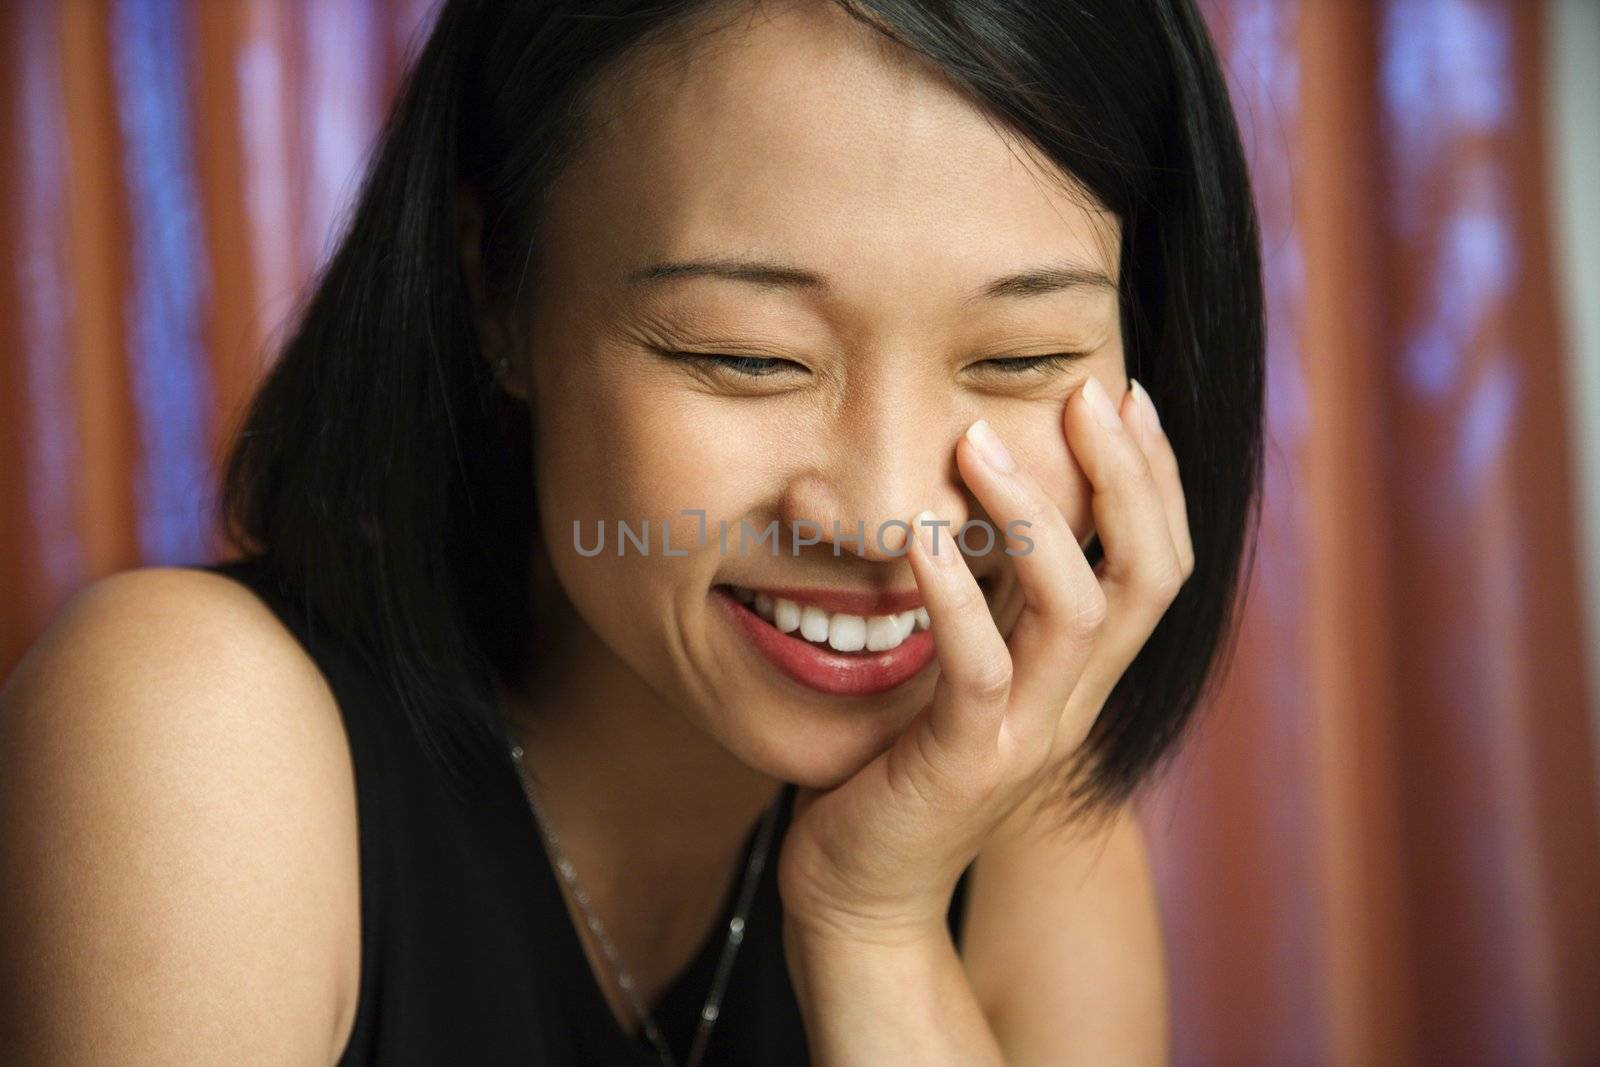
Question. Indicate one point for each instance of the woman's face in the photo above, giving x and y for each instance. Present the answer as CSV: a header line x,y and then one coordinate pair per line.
x,y
881,209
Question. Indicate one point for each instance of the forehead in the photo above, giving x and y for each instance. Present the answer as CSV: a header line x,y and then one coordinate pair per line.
x,y
796,132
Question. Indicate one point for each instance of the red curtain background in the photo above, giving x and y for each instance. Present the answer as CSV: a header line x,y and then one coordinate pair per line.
x,y
1381,845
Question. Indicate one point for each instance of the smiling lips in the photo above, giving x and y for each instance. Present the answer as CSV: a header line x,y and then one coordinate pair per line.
x,y
845,622
866,644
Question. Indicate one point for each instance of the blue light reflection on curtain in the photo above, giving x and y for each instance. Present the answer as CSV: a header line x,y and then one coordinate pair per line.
x,y
169,373
341,110
1448,93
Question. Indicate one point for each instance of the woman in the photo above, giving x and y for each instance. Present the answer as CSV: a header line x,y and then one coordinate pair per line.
x,y
440,773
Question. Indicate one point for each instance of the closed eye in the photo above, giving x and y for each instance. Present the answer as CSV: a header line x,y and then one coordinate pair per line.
x,y
747,366
764,366
1026,364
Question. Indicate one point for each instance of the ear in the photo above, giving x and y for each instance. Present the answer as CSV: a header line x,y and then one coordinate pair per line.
x,y
494,341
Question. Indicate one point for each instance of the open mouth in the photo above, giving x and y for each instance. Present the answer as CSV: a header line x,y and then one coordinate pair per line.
x,y
841,631
841,653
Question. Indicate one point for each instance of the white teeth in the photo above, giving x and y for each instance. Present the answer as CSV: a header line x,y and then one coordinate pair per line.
x,y
813,623
840,631
883,633
847,633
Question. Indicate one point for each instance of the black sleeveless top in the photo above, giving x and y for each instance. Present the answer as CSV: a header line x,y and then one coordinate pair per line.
x,y
468,952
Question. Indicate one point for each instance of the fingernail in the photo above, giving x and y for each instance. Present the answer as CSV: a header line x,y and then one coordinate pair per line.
x,y
990,447
1100,404
1141,421
928,532
1147,408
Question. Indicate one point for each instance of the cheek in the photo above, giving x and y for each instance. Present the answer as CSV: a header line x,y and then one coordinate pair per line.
x,y
1042,449
622,448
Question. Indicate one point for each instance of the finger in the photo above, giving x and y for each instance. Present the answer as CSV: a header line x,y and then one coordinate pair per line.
x,y
1063,603
974,664
1140,413
1141,571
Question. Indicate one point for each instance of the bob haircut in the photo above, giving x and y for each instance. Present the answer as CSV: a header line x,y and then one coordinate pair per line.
x,y
387,479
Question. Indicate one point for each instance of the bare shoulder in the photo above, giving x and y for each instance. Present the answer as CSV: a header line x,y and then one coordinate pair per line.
x,y
178,849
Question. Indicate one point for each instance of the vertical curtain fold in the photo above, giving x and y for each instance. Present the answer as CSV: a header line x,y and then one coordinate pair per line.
x,y
1355,670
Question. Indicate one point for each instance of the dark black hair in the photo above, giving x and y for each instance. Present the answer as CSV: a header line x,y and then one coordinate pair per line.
x,y
386,477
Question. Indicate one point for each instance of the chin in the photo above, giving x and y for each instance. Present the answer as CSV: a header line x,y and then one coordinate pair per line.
x,y
819,751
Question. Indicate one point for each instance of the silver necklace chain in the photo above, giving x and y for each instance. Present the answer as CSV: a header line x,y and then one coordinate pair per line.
x,y
719,982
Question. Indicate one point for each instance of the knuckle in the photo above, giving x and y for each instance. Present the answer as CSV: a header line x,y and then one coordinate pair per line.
x,y
990,683
1088,612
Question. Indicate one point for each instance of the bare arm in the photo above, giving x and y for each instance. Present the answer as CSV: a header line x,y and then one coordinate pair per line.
x,y
1062,942
866,1003
177,836
1062,963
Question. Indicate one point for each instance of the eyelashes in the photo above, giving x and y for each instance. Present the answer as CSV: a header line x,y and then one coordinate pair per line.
x,y
1027,364
743,366
763,366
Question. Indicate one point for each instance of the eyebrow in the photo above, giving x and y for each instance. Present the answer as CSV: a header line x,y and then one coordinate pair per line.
x,y
1046,278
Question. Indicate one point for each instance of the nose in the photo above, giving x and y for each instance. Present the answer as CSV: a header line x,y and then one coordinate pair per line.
x,y
887,453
